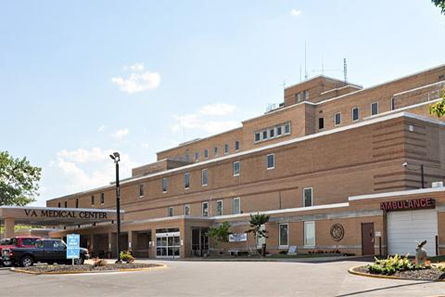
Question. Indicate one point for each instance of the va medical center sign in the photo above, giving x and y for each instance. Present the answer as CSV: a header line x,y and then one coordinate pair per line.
x,y
65,214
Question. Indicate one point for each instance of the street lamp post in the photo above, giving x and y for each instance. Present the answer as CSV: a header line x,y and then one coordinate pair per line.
x,y
116,158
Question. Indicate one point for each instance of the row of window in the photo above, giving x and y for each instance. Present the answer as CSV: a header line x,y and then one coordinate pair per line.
x,y
355,115
299,96
272,132
102,201
308,234
226,151
307,192
236,208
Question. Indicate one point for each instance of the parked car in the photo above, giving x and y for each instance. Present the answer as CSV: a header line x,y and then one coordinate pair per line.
x,y
15,242
45,251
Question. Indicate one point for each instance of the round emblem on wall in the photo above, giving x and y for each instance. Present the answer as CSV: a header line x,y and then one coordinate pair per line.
x,y
337,232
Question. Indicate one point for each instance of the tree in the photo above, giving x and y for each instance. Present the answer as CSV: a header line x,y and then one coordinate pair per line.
x,y
440,4
18,180
256,222
220,233
438,108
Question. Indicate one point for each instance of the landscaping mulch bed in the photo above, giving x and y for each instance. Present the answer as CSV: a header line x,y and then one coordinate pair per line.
x,y
432,274
85,268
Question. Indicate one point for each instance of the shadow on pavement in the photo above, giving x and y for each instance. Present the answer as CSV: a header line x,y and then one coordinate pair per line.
x,y
382,289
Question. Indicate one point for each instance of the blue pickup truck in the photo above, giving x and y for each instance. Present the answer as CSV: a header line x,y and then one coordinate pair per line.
x,y
44,251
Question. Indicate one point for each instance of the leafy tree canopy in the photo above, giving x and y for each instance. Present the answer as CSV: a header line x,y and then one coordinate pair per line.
x,y
440,4
438,108
256,221
18,180
220,233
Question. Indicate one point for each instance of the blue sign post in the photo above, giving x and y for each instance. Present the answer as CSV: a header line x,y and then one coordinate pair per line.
x,y
73,246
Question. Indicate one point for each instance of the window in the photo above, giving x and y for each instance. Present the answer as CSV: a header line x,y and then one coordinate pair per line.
x,y
272,132
287,128
102,198
298,97
306,95
309,233
264,134
196,156
141,191
393,103
321,123
355,114
270,161
77,203
236,168
257,136
206,154
205,209
236,205
187,180
337,119
92,200
226,149
236,145
204,177
59,205
186,210
164,185
170,212
187,157
307,197
66,204
215,150
374,108
284,235
219,208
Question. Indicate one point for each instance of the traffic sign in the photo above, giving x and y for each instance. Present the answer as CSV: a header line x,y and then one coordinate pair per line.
x,y
73,246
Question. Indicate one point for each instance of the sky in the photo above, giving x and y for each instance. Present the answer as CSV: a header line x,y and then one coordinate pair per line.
x,y
81,79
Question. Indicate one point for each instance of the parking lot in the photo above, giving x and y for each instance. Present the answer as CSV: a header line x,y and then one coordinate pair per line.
x,y
199,278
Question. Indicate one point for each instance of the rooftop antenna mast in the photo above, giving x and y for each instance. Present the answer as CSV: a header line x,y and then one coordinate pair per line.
x,y
305,64
345,69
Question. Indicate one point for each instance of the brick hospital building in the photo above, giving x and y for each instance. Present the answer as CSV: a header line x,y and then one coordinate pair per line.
x,y
336,166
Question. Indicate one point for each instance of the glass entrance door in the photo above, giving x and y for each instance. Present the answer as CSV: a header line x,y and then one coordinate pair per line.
x,y
168,243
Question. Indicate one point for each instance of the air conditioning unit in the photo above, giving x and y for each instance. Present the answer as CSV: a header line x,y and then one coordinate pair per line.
x,y
438,184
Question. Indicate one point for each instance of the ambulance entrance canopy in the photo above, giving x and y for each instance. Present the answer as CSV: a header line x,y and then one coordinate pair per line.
x,y
50,216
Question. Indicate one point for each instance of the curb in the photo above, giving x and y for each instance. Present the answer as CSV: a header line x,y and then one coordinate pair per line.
x,y
381,276
18,270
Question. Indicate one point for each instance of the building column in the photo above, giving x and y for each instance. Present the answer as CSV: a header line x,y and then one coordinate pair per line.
x,y
9,227
130,241
112,244
91,248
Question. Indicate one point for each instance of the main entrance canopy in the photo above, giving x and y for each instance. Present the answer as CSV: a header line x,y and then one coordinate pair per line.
x,y
50,216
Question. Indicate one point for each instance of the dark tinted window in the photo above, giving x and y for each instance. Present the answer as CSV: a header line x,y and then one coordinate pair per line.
x,y
29,241
321,123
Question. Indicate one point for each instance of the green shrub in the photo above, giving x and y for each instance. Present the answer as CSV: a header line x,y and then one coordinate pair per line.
x,y
126,256
391,265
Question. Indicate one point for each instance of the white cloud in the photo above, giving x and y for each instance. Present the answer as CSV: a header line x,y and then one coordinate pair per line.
x,y
204,119
101,128
218,109
139,80
72,171
295,12
121,133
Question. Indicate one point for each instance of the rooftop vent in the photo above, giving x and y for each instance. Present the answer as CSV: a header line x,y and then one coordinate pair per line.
x,y
437,184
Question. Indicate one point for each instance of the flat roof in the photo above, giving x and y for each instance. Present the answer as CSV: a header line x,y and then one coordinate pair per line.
x,y
54,216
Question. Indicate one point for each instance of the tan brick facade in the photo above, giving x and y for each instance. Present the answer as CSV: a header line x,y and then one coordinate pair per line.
x,y
353,158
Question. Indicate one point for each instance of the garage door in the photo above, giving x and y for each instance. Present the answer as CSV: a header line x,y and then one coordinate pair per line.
x,y
406,228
